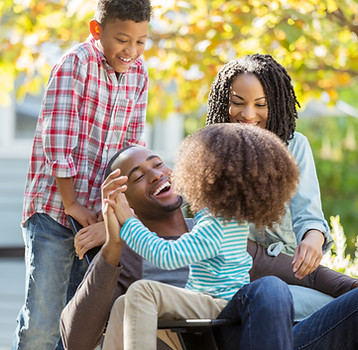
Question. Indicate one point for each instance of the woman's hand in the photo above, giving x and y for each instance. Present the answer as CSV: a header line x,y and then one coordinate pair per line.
x,y
308,254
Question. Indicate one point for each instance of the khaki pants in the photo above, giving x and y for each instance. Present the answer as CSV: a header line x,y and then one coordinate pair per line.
x,y
134,316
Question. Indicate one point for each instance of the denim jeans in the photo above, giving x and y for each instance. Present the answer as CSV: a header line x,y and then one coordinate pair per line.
x,y
333,327
52,275
264,309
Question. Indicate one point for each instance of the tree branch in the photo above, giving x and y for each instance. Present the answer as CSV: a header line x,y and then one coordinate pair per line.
x,y
338,17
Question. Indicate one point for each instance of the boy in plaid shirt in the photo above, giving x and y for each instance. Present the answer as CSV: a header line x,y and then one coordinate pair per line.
x,y
95,104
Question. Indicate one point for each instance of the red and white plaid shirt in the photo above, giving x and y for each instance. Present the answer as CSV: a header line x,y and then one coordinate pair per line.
x,y
87,115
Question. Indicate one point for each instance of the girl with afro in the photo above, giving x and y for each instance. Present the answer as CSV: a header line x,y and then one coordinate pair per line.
x,y
257,90
227,173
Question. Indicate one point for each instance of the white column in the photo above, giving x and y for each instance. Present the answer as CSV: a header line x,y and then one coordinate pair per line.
x,y
167,135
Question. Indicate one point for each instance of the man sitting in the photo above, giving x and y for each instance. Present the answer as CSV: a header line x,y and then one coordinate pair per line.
x,y
116,266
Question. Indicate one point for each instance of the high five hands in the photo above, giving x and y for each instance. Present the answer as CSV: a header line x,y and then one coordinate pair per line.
x,y
114,202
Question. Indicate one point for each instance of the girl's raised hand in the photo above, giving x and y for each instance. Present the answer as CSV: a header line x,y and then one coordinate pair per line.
x,y
112,248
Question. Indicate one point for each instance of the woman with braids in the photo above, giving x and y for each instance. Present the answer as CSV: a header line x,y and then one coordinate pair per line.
x,y
222,171
257,90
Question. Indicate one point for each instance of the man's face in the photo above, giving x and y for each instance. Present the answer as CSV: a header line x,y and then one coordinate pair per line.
x,y
122,42
149,191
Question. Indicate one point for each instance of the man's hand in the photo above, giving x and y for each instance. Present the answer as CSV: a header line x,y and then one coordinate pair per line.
x,y
99,216
89,237
308,254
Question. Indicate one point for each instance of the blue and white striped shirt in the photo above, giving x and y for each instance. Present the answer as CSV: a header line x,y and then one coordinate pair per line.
x,y
215,252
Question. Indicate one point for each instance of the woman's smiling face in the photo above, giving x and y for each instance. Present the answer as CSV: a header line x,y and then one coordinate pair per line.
x,y
248,102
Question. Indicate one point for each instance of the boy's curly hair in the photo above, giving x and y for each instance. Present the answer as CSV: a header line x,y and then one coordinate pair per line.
x,y
133,10
276,83
236,171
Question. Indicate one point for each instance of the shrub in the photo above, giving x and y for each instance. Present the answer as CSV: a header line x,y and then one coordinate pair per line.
x,y
336,258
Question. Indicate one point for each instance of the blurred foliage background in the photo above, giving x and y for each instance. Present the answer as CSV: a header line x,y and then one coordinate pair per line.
x,y
334,144
316,40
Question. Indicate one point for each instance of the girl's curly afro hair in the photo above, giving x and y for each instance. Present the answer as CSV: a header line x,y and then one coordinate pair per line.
x,y
236,171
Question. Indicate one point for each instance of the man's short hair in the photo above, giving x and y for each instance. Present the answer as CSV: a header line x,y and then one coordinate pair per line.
x,y
133,10
111,161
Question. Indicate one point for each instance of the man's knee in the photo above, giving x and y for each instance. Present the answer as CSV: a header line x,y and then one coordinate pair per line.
x,y
275,295
272,282
268,288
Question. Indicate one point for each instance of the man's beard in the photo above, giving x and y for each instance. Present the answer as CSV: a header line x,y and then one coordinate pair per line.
x,y
173,206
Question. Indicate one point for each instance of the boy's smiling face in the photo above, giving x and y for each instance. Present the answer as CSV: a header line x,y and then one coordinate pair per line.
x,y
121,42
